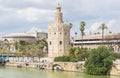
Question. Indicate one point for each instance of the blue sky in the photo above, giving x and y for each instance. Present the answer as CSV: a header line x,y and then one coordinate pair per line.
x,y
22,15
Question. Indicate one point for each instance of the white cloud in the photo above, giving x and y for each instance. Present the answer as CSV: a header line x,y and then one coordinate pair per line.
x,y
35,1
19,13
113,25
94,27
34,14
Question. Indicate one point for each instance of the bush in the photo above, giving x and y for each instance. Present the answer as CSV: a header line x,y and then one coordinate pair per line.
x,y
75,54
62,59
78,54
99,61
116,55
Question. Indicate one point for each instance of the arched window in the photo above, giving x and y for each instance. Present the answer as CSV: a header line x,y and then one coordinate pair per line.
x,y
50,42
60,42
65,33
60,49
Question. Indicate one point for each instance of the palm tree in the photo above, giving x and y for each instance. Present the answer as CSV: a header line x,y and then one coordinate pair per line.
x,y
82,28
103,27
16,45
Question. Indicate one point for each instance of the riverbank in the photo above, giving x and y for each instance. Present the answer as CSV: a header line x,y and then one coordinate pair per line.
x,y
66,66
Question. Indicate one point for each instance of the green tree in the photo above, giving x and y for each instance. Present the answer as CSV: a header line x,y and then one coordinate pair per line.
x,y
99,61
16,45
62,59
103,27
78,54
82,28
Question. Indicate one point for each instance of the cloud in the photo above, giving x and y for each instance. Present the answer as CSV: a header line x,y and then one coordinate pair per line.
x,y
20,15
113,25
35,14
93,28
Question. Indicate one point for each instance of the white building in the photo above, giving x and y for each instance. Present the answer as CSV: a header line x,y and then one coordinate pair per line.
x,y
17,37
93,41
30,37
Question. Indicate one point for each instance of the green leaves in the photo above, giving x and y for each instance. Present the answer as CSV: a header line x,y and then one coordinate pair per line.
x,y
82,27
75,54
62,59
99,61
103,26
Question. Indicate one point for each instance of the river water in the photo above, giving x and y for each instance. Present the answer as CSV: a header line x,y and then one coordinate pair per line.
x,y
13,72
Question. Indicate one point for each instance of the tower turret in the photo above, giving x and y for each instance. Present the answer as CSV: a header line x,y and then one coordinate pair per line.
x,y
58,36
58,14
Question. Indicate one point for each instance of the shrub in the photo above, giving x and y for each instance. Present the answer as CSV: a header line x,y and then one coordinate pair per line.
x,y
62,59
99,61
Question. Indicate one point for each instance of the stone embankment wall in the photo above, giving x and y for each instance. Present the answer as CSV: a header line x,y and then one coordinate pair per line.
x,y
66,66
115,70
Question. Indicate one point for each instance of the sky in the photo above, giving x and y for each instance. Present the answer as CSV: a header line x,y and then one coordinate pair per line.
x,y
22,15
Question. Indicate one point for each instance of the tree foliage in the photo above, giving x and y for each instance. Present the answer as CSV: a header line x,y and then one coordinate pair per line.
x,y
82,28
36,49
78,54
103,27
75,54
62,59
99,61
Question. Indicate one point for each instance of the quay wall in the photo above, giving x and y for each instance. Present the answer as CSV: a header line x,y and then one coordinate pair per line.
x,y
66,66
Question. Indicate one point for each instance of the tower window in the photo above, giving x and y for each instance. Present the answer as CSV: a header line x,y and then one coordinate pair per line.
x,y
60,42
60,33
60,49
65,33
50,43
54,33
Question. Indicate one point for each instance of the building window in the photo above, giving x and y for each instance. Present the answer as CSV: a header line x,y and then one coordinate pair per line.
x,y
60,42
60,49
65,33
60,33
54,33
50,43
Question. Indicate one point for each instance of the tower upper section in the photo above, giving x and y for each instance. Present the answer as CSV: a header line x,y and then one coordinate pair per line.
x,y
58,18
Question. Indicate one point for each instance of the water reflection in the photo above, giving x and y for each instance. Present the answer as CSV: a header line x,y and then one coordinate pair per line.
x,y
11,72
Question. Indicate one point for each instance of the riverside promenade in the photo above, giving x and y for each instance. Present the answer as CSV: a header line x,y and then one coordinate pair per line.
x,y
28,62
43,63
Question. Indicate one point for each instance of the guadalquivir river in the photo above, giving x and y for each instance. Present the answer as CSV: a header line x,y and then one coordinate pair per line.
x,y
13,72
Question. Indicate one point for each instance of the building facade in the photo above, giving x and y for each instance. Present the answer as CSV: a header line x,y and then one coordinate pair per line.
x,y
58,36
29,37
93,41
39,34
10,39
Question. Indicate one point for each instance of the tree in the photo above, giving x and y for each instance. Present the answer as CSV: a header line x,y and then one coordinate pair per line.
x,y
82,28
16,45
99,61
78,54
75,54
62,59
103,27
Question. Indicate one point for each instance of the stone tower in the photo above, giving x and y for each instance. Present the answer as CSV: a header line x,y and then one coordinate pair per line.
x,y
58,36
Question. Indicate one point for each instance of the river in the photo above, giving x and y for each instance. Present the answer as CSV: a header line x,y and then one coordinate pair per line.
x,y
13,72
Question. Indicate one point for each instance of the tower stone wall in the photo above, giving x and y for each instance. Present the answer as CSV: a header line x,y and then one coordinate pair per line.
x,y
58,36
